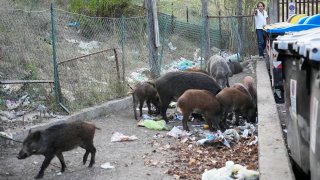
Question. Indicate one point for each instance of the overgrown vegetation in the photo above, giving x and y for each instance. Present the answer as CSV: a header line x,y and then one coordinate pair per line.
x,y
105,8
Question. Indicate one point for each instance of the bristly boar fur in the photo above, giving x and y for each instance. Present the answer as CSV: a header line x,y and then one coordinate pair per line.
x,y
145,92
173,84
233,100
219,69
249,83
57,139
203,100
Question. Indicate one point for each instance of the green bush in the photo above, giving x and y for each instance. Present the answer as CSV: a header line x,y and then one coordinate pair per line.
x,y
104,8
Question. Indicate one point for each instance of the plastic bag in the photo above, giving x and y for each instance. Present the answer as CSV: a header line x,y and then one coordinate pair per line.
x,y
155,125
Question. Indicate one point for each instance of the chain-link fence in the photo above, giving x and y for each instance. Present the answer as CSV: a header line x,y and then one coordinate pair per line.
x,y
234,34
96,57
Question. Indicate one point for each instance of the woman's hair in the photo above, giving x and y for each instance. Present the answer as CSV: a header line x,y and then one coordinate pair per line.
x,y
261,4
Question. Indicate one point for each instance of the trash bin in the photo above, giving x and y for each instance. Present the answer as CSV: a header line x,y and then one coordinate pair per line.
x,y
300,56
274,64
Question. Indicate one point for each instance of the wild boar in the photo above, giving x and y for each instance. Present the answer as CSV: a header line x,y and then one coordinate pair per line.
x,y
57,139
218,68
173,84
233,100
249,83
197,70
203,100
235,67
145,92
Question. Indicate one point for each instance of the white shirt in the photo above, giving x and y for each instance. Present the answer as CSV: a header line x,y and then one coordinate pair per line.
x,y
261,19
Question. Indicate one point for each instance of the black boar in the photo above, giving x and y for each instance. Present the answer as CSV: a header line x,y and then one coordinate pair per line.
x,y
57,139
233,100
173,84
218,68
145,92
235,67
203,100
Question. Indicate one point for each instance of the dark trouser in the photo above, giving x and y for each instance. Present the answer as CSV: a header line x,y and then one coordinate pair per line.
x,y
261,44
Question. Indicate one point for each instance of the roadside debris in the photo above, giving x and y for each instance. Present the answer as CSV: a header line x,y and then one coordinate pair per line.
x,y
119,137
107,165
230,171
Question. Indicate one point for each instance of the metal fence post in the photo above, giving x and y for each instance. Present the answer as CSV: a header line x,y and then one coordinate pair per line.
x,y
123,39
54,58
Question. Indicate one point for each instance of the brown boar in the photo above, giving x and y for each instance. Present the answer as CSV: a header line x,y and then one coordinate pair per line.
x,y
233,100
197,70
173,84
57,139
203,100
145,92
249,83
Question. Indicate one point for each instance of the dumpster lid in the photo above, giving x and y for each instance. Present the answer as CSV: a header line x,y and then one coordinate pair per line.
x,y
283,42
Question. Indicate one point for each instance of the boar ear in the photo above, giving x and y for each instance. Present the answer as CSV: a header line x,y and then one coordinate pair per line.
x,y
37,135
152,83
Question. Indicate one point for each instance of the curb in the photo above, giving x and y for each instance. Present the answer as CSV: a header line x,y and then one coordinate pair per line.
x,y
274,160
85,114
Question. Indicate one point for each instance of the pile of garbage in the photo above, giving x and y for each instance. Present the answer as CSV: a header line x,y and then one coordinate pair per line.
x,y
201,154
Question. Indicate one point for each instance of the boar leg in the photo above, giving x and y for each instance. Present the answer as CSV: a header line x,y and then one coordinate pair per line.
x,y
185,120
61,159
134,106
85,157
93,154
45,164
141,105
164,107
149,106
89,149
227,81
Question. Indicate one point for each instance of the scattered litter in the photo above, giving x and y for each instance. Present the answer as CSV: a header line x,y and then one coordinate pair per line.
x,y
140,123
285,130
119,137
155,125
59,173
171,46
254,142
172,104
231,135
107,165
176,132
73,24
224,173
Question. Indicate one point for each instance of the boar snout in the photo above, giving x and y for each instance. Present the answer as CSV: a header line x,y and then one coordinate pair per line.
x,y
22,155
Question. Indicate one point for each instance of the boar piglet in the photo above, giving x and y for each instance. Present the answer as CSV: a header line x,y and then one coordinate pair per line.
x,y
145,92
173,84
219,69
57,139
233,100
203,100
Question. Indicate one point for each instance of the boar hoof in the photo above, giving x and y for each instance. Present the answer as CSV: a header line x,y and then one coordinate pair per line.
x,y
39,176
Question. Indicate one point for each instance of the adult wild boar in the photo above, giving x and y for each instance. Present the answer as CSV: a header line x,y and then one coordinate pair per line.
x,y
233,100
249,83
218,68
145,92
235,67
173,84
203,100
57,139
